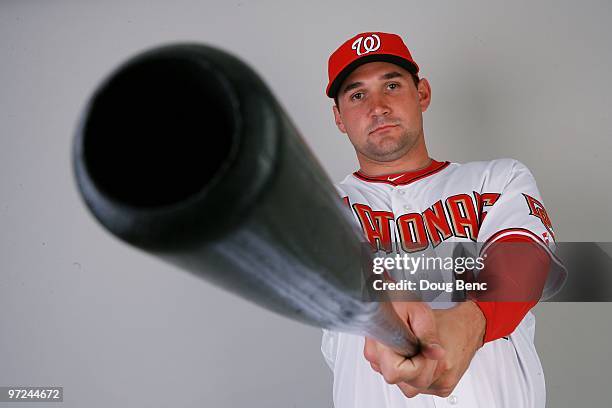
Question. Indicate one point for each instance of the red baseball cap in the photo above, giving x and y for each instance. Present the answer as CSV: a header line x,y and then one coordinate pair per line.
x,y
363,48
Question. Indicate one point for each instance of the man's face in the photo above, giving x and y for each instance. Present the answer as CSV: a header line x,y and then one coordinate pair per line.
x,y
380,108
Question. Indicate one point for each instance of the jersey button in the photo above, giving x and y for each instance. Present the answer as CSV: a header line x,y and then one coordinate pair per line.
x,y
407,207
453,400
401,192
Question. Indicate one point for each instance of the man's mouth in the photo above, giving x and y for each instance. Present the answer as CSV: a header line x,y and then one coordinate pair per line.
x,y
381,128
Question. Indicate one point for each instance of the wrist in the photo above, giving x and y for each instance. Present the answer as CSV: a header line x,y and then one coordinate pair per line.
x,y
477,319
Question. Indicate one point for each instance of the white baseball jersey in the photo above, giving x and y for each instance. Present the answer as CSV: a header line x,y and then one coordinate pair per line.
x,y
477,202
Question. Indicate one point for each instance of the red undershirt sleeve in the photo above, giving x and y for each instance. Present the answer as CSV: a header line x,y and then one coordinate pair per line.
x,y
515,270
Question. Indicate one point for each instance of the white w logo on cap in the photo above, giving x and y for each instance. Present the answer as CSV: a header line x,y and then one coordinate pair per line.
x,y
364,45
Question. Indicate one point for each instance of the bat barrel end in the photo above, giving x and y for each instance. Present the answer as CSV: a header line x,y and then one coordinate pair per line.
x,y
161,144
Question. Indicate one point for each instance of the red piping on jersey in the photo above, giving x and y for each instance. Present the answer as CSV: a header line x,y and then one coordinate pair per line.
x,y
533,236
406,177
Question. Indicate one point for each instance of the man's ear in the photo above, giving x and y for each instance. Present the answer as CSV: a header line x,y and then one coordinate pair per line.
x,y
424,91
338,119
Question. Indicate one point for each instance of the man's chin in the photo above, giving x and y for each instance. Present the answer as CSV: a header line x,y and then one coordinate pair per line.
x,y
386,153
385,156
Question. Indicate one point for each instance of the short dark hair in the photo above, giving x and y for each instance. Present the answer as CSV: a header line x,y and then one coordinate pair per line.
x,y
415,79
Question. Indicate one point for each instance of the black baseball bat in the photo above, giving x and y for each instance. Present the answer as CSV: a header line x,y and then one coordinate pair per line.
x,y
184,153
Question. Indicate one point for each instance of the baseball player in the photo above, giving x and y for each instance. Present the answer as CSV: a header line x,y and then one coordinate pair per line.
x,y
474,353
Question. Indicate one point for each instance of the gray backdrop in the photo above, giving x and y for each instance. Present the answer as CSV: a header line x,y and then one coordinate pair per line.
x,y
521,79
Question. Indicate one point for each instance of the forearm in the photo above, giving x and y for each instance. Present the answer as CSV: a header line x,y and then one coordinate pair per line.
x,y
515,272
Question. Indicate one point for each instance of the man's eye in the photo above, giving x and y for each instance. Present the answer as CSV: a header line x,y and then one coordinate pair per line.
x,y
357,96
393,85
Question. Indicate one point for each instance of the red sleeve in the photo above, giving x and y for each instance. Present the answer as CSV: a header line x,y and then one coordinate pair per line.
x,y
515,271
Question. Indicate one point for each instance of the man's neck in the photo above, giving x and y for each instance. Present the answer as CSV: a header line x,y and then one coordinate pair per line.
x,y
415,159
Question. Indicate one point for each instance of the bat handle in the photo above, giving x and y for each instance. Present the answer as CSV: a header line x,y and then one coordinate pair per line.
x,y
387,327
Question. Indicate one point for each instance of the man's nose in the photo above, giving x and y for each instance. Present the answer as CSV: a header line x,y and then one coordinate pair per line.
x,y
379,105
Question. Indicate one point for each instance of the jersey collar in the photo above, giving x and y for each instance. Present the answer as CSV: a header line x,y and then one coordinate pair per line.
x,y
407,177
